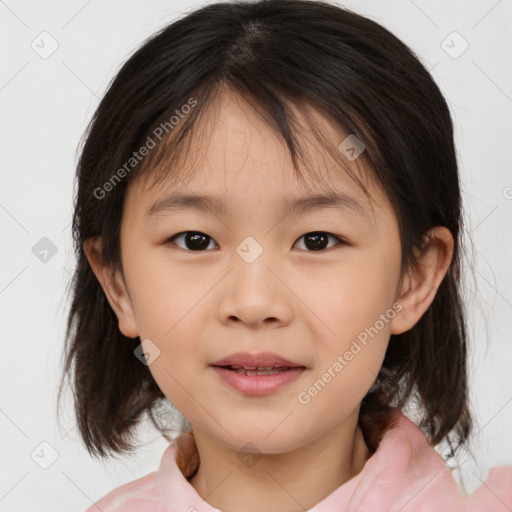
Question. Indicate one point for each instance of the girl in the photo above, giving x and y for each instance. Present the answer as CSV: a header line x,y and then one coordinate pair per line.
x,y
268,232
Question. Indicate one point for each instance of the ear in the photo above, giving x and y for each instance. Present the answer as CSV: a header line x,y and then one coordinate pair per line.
x,y
113,286
421,284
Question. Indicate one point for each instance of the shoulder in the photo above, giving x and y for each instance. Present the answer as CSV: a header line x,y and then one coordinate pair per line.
x,y
141,495
407,471
495,493
168,483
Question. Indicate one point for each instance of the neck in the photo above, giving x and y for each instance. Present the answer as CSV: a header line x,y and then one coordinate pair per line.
x,y
285,482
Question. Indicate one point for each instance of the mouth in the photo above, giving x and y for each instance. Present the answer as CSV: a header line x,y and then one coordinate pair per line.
x,y
257,381
263,361
269,370
256,374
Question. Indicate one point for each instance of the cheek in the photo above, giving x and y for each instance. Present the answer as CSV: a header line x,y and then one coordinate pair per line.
x,y
350,296
164,294
361,308
168,309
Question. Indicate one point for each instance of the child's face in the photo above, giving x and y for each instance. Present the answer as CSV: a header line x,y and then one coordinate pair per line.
x,y
309,307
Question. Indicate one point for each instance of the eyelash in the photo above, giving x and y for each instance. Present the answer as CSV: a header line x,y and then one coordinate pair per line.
x,y
341,241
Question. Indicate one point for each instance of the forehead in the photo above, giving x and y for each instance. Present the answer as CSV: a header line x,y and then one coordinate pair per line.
x,y
232,154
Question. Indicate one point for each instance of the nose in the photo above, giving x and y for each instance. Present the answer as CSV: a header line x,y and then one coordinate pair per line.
x,y
254,295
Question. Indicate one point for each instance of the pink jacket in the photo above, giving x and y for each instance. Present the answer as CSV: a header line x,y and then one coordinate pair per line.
x,y
404,474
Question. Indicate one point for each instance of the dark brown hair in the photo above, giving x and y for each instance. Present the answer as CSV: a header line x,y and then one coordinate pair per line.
x,y
277,54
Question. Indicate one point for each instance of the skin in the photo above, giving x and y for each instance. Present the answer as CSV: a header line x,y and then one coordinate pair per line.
x,y
307,306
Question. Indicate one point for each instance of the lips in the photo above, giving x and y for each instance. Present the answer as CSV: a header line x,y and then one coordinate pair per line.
x,y
257,374
255,362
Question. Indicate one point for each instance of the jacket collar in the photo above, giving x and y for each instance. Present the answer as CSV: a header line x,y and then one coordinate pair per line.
x,y
403,459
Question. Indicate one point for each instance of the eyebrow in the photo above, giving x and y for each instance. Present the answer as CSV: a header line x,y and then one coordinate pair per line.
x,y
210,204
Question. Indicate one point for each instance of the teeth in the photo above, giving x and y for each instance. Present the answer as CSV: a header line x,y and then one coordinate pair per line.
x,y
256,367
260,371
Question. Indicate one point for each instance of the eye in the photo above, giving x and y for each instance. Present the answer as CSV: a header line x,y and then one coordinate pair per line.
x,y
317,240
194,240
197,241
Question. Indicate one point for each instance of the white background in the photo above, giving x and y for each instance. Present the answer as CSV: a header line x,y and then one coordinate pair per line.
x,y
45,105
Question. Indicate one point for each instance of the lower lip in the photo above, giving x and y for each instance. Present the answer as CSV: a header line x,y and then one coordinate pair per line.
x,y
258,384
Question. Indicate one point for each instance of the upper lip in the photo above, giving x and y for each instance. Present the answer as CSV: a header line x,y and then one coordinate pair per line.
x,y
261,360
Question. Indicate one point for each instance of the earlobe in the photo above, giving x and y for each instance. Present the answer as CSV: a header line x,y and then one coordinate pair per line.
x,y
420,286
113,286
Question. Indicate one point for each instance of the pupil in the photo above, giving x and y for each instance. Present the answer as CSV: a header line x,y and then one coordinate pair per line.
x,y
319,241
196,241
